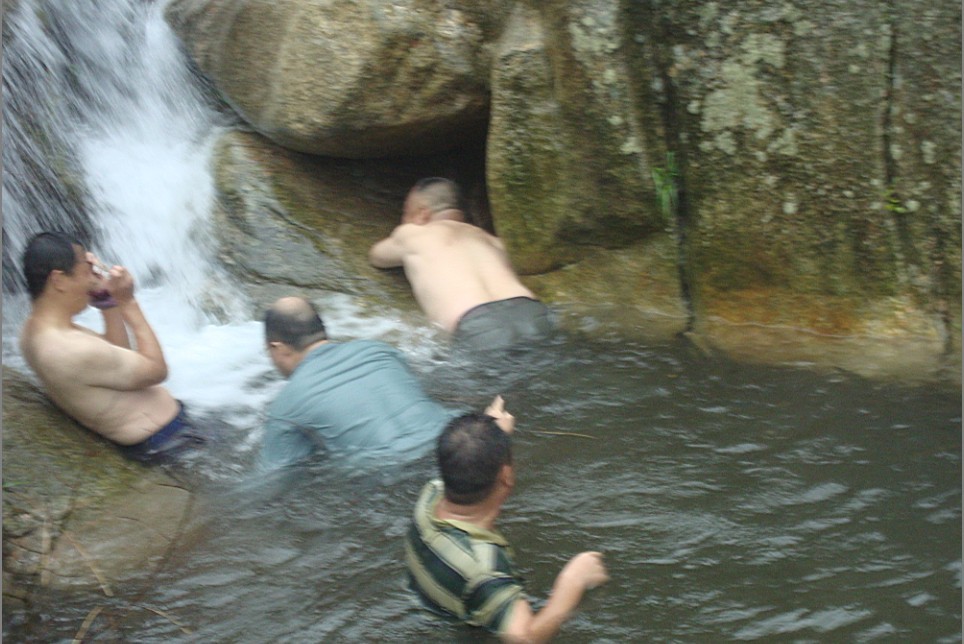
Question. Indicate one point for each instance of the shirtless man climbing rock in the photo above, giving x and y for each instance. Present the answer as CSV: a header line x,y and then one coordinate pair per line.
x,y
461,275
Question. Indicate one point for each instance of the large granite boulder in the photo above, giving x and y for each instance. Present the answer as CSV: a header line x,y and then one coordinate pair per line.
x,y
75,512
782,182
347,79
808,137
568,168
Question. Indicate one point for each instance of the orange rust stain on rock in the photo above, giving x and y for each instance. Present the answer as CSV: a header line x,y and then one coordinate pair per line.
x,y
831,315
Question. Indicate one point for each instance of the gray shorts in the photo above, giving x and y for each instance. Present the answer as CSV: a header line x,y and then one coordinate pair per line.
x,y
515,322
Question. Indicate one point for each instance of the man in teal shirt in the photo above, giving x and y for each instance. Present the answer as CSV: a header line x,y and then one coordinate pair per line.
x,y
356,398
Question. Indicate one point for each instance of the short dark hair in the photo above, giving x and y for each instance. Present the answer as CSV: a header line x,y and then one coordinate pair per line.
x,y
471,451
440,193
47,252
296,323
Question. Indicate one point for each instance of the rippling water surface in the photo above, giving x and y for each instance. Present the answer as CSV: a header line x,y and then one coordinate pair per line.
x,y
733,503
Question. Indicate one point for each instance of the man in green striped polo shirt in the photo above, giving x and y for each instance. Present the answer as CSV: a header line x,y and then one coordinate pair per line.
x,y
458,562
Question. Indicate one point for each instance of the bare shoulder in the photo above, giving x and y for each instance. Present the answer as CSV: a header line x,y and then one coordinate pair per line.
x,y
65,351
472,232
495,241
402,232
460,229
440,234
421,235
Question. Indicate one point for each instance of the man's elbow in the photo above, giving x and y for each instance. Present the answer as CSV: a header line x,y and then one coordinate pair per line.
x,y
524,636
385,254
518,628
155,374
513,638
377,260
160,372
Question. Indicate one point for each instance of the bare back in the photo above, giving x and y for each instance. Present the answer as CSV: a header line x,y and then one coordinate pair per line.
x,y
86,376
453,267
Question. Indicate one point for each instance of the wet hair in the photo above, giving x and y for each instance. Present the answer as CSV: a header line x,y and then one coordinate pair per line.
x,y
471,451
295,322
440,194
47,252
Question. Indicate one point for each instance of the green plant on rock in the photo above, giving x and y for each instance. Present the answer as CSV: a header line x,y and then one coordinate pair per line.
x,y
665,179
12,485
892,202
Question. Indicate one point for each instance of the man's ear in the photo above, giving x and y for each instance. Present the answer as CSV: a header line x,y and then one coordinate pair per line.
x,y
507,476
56,279
280,348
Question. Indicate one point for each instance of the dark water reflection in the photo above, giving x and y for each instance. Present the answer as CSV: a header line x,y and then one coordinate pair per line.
x,y
732,502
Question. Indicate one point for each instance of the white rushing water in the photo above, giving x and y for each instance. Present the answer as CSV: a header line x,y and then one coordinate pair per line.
x,y
119,91
142,132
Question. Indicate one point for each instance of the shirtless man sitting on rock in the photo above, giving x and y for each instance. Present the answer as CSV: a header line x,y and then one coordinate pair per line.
x,y
99,380
461,275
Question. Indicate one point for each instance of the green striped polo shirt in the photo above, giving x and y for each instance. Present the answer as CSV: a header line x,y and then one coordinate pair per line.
x,y
460,568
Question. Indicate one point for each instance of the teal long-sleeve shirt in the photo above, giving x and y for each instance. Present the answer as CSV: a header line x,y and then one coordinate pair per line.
x,y
351,398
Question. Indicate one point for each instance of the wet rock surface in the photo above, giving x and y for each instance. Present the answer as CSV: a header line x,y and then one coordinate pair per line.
x,y
76,512
792,168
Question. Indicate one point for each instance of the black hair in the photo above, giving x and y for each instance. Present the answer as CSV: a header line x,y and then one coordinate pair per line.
x,y
298,325
471,451
47,252
440,193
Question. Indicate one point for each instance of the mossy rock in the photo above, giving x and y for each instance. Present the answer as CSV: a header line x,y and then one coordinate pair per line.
x,y
75,511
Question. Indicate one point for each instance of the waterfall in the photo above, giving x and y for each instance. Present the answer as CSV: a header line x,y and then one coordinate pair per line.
x,y
108,135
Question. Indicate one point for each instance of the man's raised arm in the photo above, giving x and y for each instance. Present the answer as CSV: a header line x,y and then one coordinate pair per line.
x,y
147,366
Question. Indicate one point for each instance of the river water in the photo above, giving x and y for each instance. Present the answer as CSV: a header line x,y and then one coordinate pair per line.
x,y
732,502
